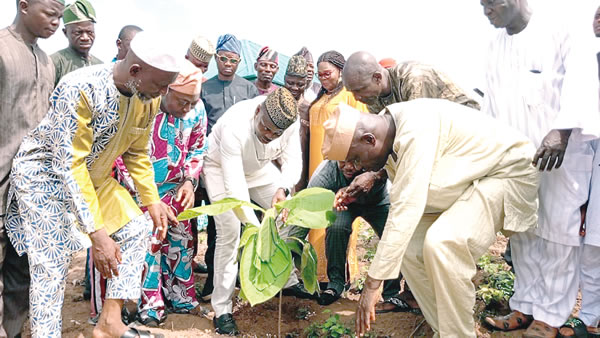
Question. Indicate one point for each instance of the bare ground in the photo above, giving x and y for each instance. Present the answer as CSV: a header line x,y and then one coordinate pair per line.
x,y
261,320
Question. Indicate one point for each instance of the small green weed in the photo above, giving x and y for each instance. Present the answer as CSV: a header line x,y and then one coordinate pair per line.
x,y
366,234
303,313
333,327
369,254
498,283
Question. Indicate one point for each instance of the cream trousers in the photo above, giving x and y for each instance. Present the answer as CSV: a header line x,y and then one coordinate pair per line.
x,y
441,258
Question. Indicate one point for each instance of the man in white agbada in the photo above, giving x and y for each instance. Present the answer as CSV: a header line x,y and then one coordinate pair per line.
x,y
589,265
458,177
540,81
241,148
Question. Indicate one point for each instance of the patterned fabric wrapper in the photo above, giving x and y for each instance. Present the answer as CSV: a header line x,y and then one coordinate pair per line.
x,y
168,271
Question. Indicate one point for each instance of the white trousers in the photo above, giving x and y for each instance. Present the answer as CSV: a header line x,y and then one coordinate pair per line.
x,y
547,278
228,228
590,285
440,261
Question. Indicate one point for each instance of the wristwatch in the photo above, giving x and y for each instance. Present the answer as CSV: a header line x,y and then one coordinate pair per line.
x,y
193,180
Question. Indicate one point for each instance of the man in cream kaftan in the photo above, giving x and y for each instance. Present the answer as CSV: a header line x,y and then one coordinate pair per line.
x,y
458,177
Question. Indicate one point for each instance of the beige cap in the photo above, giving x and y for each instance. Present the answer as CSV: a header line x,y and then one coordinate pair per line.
x,y
339,132
202,49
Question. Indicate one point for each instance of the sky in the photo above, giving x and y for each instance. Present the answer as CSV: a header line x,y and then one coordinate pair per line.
x,y
452,35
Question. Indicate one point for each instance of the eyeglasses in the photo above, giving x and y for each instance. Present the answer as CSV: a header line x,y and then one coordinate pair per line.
x,y
356,163
326,74
224,59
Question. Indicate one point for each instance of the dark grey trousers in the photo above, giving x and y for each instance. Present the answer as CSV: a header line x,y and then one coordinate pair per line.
x,y
14,286
374,209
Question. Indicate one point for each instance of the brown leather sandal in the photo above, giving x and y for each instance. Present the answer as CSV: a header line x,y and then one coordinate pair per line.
x,y
539,329
513,321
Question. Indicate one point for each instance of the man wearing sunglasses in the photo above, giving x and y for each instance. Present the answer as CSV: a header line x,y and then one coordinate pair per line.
x,y
219,94
225,89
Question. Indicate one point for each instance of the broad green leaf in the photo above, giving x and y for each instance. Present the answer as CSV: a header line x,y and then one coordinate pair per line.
x,y
269,271
249,231
311,199
279,263
261,285
216,208
308,269
295,245
267,236
311,219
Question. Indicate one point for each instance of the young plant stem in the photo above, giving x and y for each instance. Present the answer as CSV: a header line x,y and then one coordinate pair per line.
x,y
279,321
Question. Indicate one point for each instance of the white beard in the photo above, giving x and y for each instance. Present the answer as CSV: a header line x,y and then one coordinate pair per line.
x,y
133,84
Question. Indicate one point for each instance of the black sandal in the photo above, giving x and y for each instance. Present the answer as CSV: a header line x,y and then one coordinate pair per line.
x,y
400,305
327,297
579,328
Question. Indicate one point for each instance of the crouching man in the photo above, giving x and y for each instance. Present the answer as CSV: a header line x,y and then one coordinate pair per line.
x,y
62,193
458,177
373,206
241,148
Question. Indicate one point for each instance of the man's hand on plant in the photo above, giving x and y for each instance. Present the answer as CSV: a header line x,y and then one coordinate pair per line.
x,y
105,253
161,216
366,305
552,150
280,195
361,185
342,200
185,195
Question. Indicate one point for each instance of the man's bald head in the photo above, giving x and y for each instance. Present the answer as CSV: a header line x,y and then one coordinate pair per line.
x,y
364,77
129,31
126,34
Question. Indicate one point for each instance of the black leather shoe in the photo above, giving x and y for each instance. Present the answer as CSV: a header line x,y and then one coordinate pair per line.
x,y
200,268
225,324
207,290
298,291
327,297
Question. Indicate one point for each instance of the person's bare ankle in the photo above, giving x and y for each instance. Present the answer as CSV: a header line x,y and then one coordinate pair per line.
x,y
105,328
